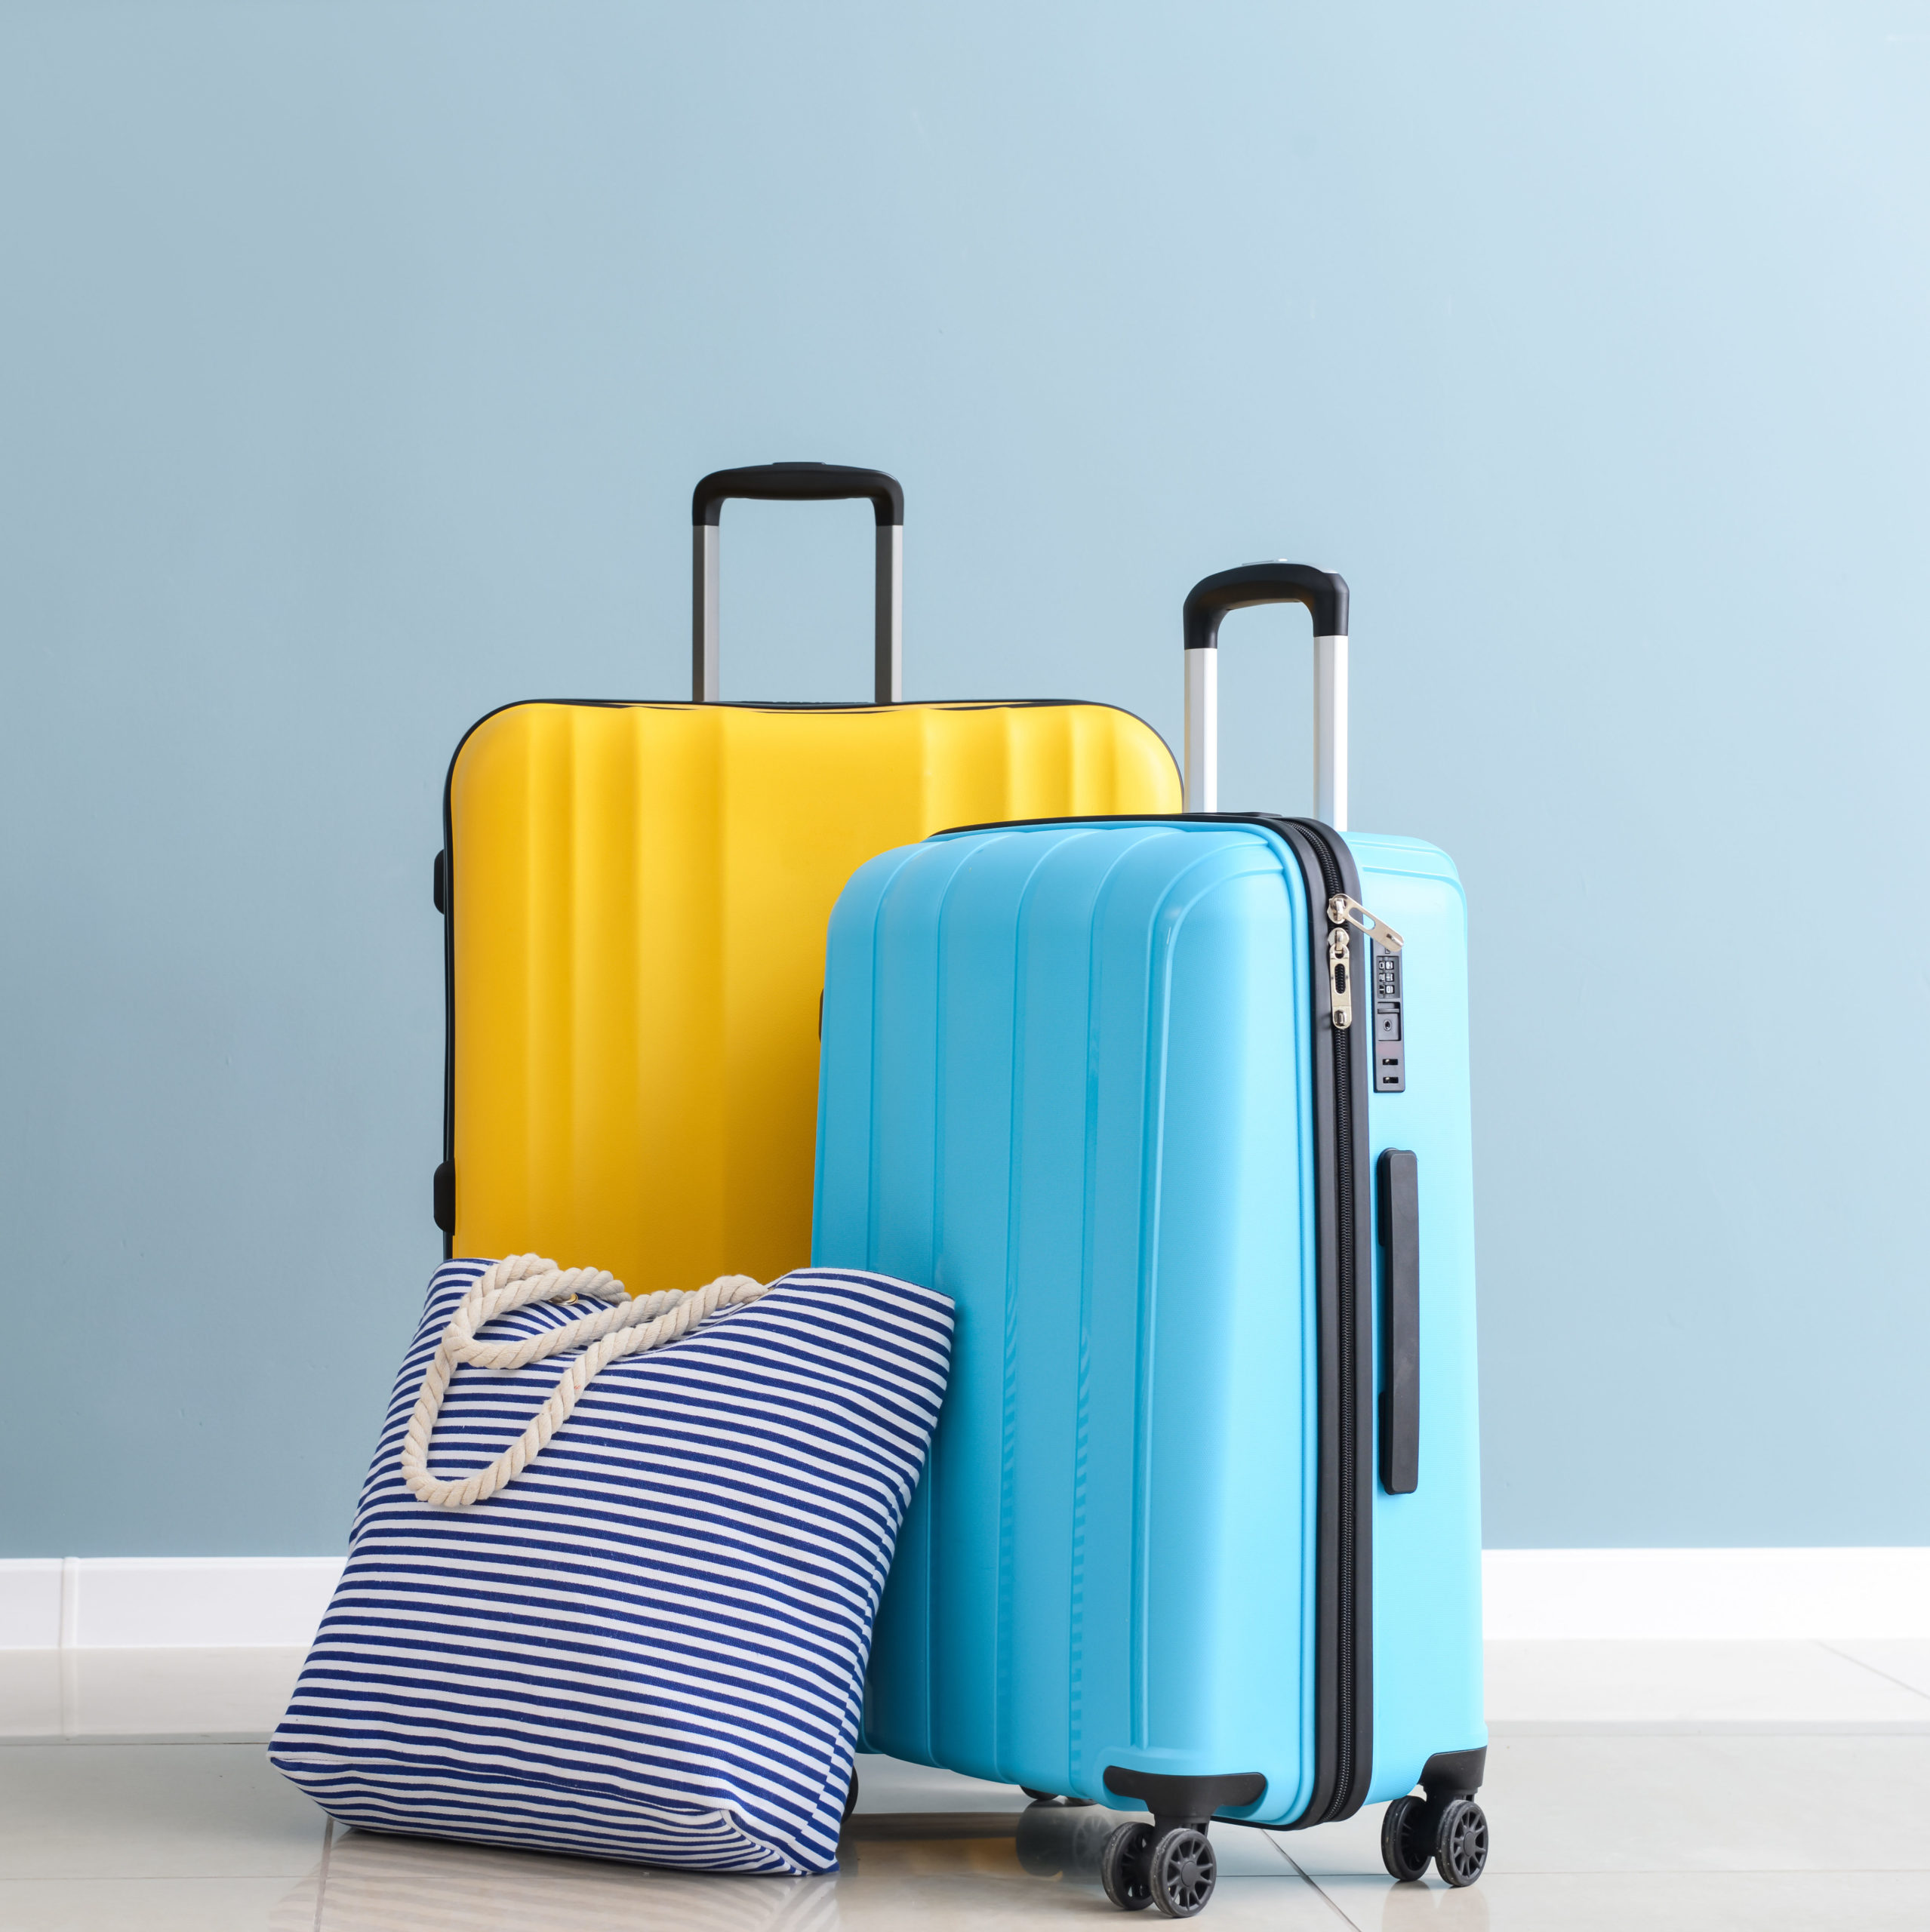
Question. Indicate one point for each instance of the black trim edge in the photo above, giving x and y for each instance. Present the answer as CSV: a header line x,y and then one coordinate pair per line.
x,y
1343,1721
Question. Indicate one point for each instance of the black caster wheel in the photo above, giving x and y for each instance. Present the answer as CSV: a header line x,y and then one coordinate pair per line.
x,y
1405,1847
1460,1844
1183,1869
851,1798
1123,1867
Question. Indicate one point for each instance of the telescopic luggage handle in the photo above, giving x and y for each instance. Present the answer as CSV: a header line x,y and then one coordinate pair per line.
x,y
798,483
1325,596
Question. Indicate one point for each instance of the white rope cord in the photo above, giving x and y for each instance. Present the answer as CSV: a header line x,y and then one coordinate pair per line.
x,y
626,1327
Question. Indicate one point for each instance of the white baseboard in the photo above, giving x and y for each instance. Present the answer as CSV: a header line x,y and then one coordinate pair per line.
x,y
163,1602
144,1603
1706,1593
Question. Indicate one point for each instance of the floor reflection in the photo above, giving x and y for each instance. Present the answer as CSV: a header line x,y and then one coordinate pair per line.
x,y
371,1883
1431,1907
1055,1840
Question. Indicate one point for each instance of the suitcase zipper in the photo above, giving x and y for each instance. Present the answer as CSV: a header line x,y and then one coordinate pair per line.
x,y
1341,910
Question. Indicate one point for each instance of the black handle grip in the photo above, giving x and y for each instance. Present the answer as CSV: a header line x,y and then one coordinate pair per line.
x,y
1400,1400
1324,594
799,483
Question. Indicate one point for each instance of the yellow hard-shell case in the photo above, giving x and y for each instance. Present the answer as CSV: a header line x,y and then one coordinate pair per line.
x,y
636,898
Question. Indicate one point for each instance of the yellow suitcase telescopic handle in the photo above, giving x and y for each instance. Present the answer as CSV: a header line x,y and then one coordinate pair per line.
x,y
1325,596
798,483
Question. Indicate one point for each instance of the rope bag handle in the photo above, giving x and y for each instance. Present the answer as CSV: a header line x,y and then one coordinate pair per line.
x,y
625,1328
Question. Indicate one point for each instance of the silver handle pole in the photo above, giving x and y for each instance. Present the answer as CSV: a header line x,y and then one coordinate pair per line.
x,y
1330,731
1202,730
703,688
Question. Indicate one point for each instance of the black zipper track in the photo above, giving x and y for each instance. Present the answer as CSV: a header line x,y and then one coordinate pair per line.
x,y
1349,1663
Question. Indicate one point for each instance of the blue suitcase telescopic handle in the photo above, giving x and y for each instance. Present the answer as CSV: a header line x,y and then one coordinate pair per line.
x,y
799,483
1325,594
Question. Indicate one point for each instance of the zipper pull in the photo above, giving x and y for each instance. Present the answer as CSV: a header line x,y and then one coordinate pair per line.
x,y
1340,978
1342,911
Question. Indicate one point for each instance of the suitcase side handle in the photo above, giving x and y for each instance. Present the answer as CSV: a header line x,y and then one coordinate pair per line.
x,y
799,483
1325,596
1398,1226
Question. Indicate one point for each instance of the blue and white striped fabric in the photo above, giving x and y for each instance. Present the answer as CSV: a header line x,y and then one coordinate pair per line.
x,y
651,1643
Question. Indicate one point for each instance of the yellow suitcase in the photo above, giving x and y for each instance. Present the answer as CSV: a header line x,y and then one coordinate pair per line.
x,y
635,899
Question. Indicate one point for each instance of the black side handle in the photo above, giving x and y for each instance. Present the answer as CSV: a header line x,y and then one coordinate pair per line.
x,y
1399,1227
799,483
1324,594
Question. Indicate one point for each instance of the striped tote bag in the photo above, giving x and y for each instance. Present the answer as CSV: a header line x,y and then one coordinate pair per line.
x,y
611,1584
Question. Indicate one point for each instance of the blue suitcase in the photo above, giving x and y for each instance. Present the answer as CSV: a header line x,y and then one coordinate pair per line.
x,y
1182,1130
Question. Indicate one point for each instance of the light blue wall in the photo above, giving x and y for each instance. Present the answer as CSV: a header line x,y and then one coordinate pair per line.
x,y
356,364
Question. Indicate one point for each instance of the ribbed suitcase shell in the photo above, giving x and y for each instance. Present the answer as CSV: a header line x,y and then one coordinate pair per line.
x,y
638,900
1066,1080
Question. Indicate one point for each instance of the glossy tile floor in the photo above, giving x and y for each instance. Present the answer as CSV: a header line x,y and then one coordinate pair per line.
x,y
1657,1786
